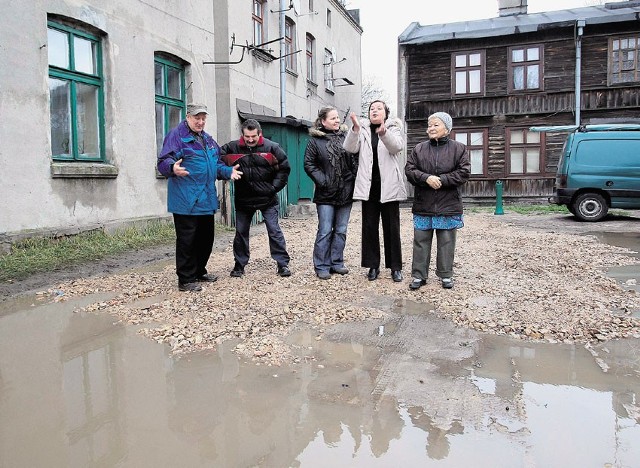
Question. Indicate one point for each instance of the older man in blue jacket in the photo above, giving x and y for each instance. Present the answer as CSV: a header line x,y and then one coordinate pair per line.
x,y
190,160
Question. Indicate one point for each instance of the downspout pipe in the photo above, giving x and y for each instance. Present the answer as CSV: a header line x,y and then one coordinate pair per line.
x,y
283,65
579,31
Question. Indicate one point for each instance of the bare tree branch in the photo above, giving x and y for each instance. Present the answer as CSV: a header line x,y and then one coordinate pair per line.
x,y
371,91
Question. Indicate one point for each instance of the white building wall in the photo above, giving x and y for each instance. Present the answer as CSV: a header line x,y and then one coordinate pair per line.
x,y
32,201
258,81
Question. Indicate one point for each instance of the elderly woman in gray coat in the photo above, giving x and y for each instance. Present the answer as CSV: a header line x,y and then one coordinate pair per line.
x,y
437,168
380,185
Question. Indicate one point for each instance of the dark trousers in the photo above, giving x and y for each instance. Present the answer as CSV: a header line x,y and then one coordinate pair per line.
x,y
372,212
194,242
445,249
277,245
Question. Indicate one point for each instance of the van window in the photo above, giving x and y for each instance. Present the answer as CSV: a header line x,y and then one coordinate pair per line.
x,y
610,152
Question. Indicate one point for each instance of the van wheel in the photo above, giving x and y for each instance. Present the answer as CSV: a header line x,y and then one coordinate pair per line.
x,y
590,207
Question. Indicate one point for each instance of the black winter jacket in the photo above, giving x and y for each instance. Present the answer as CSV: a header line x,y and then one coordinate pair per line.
x,y
331,167
265,171
447,159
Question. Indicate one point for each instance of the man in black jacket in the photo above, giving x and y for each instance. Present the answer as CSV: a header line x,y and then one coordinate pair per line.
x,y
266,171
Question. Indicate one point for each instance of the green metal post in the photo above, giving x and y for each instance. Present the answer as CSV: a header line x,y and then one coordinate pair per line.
x,y
499,210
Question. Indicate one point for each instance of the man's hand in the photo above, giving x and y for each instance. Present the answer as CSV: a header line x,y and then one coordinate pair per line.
x,y
355,121
179,170
434,182
235,173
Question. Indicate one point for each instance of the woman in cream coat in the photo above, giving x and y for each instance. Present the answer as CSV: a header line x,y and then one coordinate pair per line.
x,y
380,186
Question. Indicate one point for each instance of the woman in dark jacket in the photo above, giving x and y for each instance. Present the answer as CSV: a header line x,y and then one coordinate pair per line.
x,y
437,168
333,171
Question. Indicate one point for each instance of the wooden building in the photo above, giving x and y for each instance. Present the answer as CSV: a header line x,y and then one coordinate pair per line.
x,y
498,77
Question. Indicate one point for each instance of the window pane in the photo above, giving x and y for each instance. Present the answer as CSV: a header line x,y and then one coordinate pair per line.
x,y
474,81
60,110
461,82
517,137
626,77
517,55
87,117
175,116
533,160
533,80
517,161
84,55
174,83
58,48
474,60
461,137
477,138
533,137
159,127
257,33
616,65
159,73
533,54
461,61
616,44
518,77
476,162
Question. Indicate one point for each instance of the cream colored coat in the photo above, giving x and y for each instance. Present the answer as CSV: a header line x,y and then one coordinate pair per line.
x,y
389,147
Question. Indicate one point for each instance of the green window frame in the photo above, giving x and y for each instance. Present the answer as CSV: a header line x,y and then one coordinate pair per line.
x,y
169,97
76,94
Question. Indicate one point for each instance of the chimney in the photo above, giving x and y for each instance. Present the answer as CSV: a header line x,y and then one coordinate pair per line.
x,y
512,7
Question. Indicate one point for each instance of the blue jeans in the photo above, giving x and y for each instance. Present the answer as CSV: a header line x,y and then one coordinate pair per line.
x,y
328,251
277,245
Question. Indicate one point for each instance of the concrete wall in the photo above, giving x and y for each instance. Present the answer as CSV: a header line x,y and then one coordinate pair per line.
x,y
133,31
32,200
258,81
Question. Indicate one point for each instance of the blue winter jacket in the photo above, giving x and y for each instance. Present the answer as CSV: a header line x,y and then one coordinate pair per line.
x,y
193,194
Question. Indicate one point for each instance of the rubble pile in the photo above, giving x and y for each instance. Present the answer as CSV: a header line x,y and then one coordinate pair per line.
x,y
510,280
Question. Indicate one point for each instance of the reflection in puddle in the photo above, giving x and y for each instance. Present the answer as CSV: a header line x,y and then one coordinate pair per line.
x,y
82,390
629,275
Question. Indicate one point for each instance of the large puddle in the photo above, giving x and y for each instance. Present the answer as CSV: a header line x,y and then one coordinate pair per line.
x,y
80,390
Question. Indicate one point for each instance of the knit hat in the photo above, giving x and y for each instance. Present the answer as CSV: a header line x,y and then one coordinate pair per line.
x,y
446,119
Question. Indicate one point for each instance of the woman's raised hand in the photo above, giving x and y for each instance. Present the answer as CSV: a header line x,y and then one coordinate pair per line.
x,y
355,121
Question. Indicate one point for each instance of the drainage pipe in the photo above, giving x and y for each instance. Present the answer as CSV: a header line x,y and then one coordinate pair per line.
x,y
283,64
579,31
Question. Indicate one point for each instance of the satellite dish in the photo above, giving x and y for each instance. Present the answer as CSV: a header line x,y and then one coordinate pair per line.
x,y
296,6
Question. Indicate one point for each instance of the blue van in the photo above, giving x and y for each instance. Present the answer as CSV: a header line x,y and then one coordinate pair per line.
x,y
599,169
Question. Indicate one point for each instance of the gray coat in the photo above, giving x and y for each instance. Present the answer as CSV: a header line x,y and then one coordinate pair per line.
x,y
391,168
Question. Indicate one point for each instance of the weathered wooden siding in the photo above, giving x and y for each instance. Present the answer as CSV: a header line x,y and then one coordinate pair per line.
x,y
429,90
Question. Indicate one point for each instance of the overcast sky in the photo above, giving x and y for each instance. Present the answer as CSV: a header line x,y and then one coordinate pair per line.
x,y
384,21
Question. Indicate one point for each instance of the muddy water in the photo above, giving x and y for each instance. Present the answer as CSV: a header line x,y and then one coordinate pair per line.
x,y
81,390
629,275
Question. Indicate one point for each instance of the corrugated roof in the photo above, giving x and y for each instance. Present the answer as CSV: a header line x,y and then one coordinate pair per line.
x,y
517,24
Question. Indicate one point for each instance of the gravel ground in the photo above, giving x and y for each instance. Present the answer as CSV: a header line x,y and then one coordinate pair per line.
x,y
528,283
